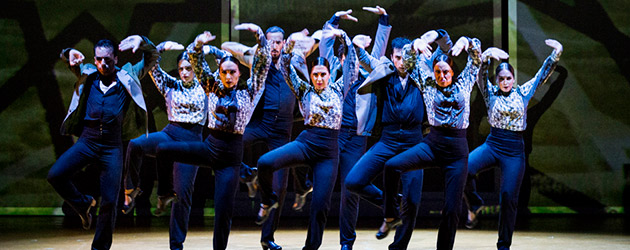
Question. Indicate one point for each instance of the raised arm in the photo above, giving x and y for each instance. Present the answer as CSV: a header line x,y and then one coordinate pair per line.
x,y
150,54
468,76
74,59
382,33
296,84
483,82
350,65
196,56
527,89
161,79
261,61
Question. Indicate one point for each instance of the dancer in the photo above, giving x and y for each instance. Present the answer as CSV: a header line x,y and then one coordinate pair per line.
x,y
107,107
390,102
321,105
507,115
351,145
272,126
448,106
230,105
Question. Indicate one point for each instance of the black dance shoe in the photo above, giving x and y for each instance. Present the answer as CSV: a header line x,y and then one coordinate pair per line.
x,y
264,212
131,203
268,244
388,227
346,247
84,213
163,202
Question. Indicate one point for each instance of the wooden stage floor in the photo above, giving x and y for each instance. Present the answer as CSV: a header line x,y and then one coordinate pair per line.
x,y
545,233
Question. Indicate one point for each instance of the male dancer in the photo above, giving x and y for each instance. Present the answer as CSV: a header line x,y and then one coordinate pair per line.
x,y
352,145
107,107
271,123
390,101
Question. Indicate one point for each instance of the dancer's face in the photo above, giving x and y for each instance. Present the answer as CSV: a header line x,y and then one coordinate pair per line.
x,y
185,70
229,74
105,60
443,74
276,41
320,76
397,59
505,79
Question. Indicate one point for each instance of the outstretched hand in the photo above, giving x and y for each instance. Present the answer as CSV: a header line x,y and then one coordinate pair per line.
x,y
422,46
169,45
204,38
494,53
554,44
329,33
131,42
461,44
362,41
376,10
75,57
247,26
346,15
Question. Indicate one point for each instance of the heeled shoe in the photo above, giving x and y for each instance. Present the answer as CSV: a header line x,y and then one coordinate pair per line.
x,y
130,196
263,215
388,227
270,245
252,187
84,213
300,200
163,202
471,219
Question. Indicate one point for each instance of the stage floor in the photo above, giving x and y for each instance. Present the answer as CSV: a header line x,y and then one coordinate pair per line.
x,y
539,233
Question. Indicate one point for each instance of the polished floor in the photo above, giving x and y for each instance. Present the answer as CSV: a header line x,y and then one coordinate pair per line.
x,y
542,232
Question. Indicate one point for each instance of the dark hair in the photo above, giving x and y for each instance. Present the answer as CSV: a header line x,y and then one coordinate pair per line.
x,y
502,66
229,59
320,61
274,29
182,56
443,58
106,43
400,42
341,51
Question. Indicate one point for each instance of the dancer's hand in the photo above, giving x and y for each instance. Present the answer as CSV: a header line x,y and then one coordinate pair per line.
x,y
494,53
131,42
169,45
376,10
204,38
362,41
247,26
75,57
422,46
554,44
461,44
346,15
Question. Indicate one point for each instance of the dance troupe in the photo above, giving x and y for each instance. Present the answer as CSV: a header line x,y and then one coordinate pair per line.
x,y
345,95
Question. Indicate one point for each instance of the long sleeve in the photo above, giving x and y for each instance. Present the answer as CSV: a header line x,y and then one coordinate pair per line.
x,y
296,84
150,57
468,76
161,79
260,65
204,74
350,71
381,38
528,88
484,84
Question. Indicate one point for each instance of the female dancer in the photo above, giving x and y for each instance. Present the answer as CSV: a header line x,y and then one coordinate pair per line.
x,y
321,105
448,106
186,109
230,105
507,110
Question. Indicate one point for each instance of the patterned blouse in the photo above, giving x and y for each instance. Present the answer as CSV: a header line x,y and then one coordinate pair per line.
x,y
450,106
509,111
322,108
229,110
183,104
